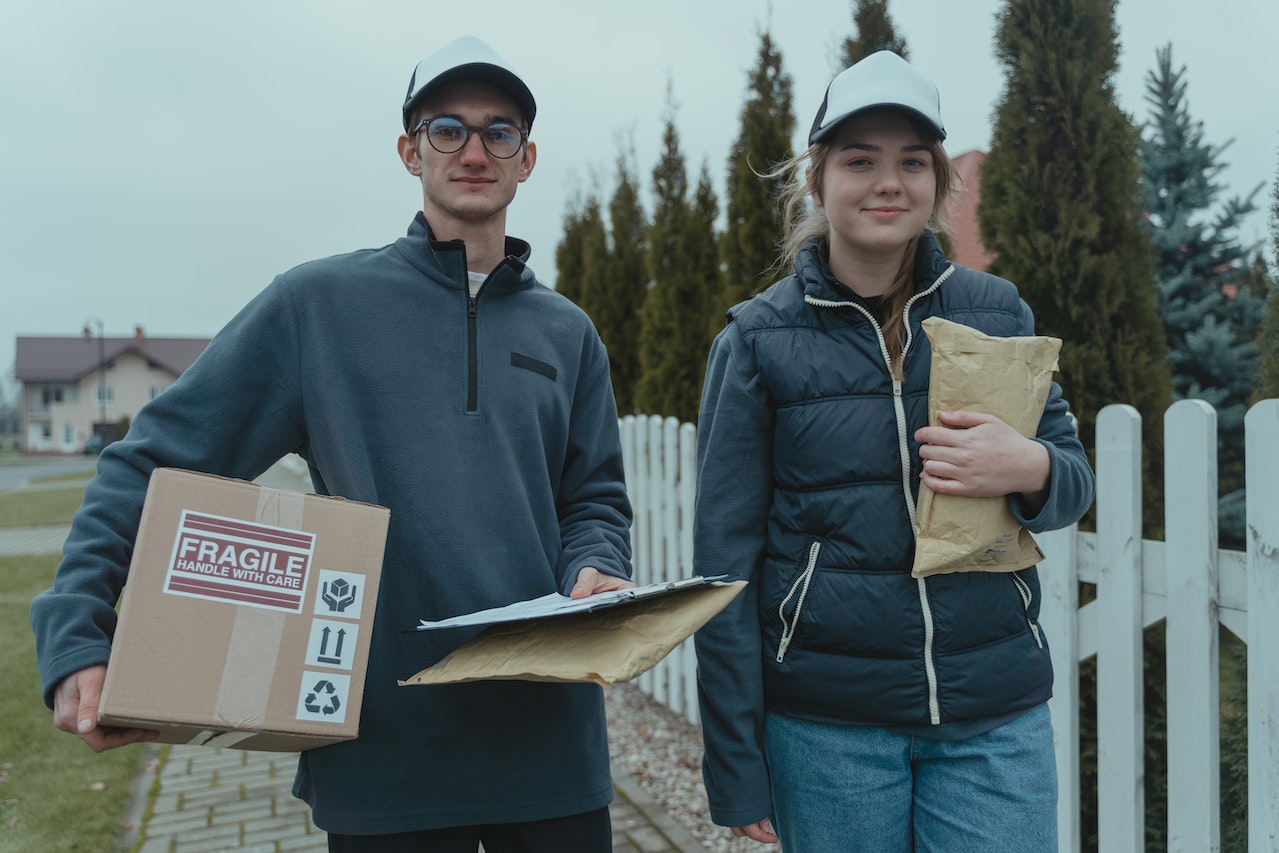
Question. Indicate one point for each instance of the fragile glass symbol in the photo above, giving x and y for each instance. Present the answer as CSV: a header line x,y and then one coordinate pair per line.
x,y
339,595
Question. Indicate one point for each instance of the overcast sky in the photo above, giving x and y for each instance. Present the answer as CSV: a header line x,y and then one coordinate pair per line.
x,y
161,161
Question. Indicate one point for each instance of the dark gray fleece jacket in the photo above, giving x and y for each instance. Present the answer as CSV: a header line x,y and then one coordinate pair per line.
x,y
487,425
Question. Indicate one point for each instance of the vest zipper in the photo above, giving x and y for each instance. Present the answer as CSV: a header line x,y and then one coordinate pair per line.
x,y
801,584
1026,599
903,445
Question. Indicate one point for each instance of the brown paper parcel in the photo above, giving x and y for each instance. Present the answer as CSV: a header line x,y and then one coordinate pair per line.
x,y
1005,377
614,644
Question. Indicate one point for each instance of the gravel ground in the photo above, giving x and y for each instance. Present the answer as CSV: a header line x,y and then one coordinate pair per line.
x,y
664,753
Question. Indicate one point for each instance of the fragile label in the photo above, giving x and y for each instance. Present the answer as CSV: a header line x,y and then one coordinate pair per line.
x,y
240,562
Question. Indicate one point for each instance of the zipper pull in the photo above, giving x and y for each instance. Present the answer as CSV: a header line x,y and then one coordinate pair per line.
x,y
471,303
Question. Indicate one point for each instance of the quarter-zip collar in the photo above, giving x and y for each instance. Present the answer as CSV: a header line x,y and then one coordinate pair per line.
x,y
444,261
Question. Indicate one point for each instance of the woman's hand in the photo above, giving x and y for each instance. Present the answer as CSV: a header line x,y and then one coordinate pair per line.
x,y
980,456
760,830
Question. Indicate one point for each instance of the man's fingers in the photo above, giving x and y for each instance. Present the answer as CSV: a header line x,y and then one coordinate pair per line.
x,y
89,684
591,580
586,580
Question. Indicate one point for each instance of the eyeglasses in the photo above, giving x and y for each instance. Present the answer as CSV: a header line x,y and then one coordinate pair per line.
x,y
448,136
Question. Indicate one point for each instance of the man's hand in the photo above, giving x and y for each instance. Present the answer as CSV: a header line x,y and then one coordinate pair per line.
x,y
591,580
980,456
75,710
760,830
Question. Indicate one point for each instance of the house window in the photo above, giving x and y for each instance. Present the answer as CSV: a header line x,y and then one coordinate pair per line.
x,y
68,434
46,430
104,396
156,391
52,394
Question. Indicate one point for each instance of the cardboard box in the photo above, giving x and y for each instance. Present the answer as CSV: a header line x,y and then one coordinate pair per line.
x,y
247,615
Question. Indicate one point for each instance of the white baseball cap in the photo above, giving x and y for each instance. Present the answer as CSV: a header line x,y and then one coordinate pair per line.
x,y
881,80
467,58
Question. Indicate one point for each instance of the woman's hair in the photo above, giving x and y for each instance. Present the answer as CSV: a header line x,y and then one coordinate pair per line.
x,y
803,220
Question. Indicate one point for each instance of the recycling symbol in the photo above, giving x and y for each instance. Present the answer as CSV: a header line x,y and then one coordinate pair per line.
x,y
313,700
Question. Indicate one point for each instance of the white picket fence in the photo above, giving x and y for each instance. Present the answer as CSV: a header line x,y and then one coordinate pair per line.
x,y
1186,580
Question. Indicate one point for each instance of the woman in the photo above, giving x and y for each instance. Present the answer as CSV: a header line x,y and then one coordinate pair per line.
x,y
858,707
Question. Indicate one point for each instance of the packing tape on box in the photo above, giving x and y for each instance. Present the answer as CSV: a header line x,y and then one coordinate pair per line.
x,y
245,689
211,737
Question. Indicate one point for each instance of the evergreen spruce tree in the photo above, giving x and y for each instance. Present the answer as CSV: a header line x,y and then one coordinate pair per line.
x,y
1234,652
1210,317
624,284
874,32
754,222
682,266
1061,210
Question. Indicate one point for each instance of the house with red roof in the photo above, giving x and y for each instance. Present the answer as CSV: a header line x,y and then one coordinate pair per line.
x,y
967,248
75,388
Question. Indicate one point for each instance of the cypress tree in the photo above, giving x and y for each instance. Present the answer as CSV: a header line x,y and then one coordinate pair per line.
x,y
670,216
594,257
875,32
682,267
1061,210
673,350
568,253
748,247
1210,317
624,284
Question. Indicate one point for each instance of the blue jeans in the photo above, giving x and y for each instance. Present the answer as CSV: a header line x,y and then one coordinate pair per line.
x,y
850,789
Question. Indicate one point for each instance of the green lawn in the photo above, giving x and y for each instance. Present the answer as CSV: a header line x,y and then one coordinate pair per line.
x,y
28,507
56,794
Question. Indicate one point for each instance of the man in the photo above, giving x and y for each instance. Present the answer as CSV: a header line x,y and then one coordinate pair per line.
x,y
437,377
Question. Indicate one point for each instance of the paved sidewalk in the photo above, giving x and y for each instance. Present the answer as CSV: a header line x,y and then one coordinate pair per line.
x,y
46,539
195,799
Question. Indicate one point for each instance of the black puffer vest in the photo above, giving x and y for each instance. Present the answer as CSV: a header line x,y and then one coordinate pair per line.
x,y
849,635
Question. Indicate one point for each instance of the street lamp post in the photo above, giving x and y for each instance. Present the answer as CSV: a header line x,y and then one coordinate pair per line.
x,y
102,370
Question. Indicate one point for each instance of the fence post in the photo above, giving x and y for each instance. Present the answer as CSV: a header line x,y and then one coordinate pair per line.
x,y
1058,580
656,549
1190,523
626,429
1120,741
1261,448
639,485
687,503
673,664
